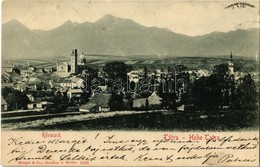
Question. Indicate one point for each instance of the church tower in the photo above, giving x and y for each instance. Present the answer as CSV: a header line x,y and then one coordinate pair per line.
x,y
74,61
82,59
231,65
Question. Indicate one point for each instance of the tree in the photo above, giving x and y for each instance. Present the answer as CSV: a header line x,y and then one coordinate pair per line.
x,y
146,107
225,82
88,75
60,101
16,70
128,101
180,68
246,94
220,70
168,96
145,72
117,79
206,94
6,91
117,70
17,100
116,101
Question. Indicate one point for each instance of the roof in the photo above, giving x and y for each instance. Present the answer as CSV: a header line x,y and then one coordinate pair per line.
x,y
34,81
40,70
3,102
137,103
29,95
88,106
4,72
103,88
7,65
13,74
82,57
154,99
22,86
75,91
101,99
76,79
23,68
62,63
62,80
203,72
48,86
5,78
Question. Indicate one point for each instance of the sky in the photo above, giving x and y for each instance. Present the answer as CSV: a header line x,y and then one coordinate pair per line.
x,y
186,17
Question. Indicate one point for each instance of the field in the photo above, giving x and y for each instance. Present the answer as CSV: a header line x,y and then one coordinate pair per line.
x,y
244,64
143,120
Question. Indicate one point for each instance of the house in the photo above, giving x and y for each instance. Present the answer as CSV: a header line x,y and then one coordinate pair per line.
x,y
31,97
154,99
99,102
158,72
40,71
11,76
140,103
89,107
65,83
7,67
202,72
74,93
33,81
63,67
23,70
27,69
3,85
5,78
99,89
133,76
4,104
31,69
38,105
31,106
181,108
77,82
43,104
35,87
49,69
48,85
22,87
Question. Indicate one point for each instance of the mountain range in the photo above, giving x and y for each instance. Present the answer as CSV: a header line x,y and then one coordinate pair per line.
x,y
112,35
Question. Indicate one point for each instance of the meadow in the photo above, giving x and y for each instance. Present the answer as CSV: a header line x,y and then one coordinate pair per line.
x,y
243,64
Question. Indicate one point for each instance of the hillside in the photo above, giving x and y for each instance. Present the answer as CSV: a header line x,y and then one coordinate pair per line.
x,y
116,36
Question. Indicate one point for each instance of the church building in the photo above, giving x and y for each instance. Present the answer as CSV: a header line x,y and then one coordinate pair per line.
x,y
75,64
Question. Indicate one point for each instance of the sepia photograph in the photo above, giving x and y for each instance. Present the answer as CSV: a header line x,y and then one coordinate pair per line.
x,y
132,68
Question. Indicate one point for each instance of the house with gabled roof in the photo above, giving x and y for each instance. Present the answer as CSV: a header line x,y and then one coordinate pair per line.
x,y
76,82
89,107
154,99
140,103
99,102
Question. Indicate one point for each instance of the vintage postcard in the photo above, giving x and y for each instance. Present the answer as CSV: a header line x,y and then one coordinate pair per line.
x,y
130,83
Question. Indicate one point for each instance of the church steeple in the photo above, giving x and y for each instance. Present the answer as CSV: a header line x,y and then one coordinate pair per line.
x,y
230,64
74,61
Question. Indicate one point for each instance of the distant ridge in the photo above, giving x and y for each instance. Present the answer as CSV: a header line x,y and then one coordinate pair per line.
x,y
112,35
